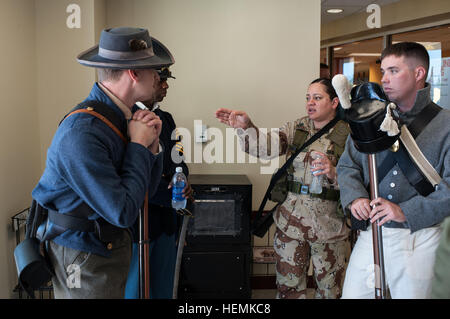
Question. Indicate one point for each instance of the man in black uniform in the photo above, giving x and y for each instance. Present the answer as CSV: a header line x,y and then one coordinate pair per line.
x,y
163,221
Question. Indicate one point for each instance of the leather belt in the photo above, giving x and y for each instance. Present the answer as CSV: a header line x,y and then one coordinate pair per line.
x,y
104,231
327,193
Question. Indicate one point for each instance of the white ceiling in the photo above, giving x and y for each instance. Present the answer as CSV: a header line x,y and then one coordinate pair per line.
x,y
349,7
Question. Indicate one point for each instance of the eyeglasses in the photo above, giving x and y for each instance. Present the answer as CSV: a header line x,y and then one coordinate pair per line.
x,y
164,74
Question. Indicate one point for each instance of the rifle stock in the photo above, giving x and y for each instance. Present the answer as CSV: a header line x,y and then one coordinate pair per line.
x,y
377,235
144,266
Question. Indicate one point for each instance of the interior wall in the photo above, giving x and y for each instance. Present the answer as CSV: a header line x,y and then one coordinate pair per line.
x,y
61,81
20,160
253,55
256,55
41,82
401,11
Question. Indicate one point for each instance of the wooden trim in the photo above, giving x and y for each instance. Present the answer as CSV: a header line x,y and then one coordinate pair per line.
x,y
412,25
330,57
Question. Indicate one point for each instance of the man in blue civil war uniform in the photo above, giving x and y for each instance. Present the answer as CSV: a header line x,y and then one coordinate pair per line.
x,y
95,179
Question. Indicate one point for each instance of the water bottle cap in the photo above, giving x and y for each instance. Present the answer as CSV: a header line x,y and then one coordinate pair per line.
x,y
179,169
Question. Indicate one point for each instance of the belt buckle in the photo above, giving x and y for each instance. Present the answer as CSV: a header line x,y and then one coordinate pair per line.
x,y
304,189
106,232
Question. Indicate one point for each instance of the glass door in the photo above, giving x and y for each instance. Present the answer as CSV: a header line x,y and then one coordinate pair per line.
x,y
437,42
359,61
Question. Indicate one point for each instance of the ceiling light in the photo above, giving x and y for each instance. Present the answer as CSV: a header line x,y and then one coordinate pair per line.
x,y
335,10
337,48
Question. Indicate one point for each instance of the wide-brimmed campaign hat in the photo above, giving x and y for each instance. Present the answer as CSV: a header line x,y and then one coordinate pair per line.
x,y
127,48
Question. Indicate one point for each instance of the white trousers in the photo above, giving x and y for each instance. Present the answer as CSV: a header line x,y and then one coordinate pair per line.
x,y
408,261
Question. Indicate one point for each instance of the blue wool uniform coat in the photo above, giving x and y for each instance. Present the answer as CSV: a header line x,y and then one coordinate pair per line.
x,y
163,225
88,162
160,220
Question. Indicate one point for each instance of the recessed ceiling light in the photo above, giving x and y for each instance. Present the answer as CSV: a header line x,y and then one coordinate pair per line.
x,y
335,10
337,48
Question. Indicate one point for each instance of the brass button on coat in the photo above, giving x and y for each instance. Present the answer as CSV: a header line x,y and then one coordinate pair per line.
x,y
109,246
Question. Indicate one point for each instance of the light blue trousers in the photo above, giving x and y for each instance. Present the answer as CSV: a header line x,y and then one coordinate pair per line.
x,y
162,267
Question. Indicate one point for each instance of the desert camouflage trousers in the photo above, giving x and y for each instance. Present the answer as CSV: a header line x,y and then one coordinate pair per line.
x,y
292,262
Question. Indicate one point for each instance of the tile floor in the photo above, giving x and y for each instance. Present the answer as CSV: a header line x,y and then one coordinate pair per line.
x,y
271,294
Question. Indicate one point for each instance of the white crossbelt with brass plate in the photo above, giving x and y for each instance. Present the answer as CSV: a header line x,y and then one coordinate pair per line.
x,y
417,156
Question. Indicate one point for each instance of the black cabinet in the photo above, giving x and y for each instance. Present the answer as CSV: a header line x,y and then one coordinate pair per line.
x,y
217,258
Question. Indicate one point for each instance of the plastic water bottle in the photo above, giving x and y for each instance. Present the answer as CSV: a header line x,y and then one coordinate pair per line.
x,y
179,182
316,183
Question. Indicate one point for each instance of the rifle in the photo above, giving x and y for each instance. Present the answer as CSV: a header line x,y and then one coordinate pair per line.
x,y
144,258
377,234
367,108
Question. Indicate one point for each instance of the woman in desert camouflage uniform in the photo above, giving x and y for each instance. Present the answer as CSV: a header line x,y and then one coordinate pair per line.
x,y
308,226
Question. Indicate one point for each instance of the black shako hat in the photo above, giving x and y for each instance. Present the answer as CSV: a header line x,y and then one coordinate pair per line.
x,y
127,48
368,109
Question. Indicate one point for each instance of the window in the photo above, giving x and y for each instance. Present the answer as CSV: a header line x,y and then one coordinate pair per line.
x,y
359,61
437,42
323,56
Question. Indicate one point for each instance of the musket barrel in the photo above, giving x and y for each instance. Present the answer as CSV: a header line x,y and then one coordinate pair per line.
x,y
141,254
144,260
146,247
377,235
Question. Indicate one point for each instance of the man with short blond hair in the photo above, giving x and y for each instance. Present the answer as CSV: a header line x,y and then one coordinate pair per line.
x,y
108,74
409,218
96,177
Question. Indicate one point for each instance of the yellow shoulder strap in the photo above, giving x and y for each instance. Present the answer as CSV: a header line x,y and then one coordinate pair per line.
x,y
91,111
